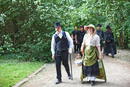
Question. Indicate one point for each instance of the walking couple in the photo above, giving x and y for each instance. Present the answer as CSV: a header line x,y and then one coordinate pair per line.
x,y
62,45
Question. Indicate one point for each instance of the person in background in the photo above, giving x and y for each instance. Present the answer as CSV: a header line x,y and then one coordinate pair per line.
x,y
74,32
100,33
79,38
61,46
109,46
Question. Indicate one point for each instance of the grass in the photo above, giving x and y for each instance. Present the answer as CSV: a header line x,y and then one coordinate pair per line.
x,y
12,71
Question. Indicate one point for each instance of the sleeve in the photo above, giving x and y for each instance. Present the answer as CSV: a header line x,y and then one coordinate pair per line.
x,y
103,35
53,45
97,40
112,37
69,40
83,43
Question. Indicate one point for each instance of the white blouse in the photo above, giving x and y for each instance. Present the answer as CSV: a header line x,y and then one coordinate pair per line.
x,y
91,40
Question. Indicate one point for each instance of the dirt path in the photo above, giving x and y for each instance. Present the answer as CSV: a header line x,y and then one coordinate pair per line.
x,y
117,71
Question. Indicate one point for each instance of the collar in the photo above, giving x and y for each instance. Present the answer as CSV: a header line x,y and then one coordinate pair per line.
x,y
59,32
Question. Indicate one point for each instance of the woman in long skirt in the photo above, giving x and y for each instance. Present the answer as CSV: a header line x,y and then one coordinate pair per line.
x,y
91,50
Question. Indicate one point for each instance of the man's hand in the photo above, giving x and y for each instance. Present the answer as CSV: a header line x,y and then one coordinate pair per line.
x,y
53,57
70,50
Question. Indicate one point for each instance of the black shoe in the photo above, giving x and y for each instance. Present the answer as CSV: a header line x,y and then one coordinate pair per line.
x,y
92,83
58,81
88,81
106,54
112,56
70,77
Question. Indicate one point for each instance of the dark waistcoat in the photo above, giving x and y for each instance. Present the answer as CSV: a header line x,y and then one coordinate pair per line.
x,y
61,44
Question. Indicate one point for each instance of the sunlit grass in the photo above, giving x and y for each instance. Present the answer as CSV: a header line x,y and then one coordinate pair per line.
x,y
12,71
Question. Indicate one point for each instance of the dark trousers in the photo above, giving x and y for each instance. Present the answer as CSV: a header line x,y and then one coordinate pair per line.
x,y
75,47
62,57
109,49
101,45
79,48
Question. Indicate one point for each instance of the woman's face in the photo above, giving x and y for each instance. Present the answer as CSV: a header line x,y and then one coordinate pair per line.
x,y
90,30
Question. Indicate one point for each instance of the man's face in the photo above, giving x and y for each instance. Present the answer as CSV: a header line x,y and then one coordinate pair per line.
x,y
81,29
58,29
75,28
98,28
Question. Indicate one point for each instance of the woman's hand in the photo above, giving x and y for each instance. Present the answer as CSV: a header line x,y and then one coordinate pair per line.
x,y
82,51
101,56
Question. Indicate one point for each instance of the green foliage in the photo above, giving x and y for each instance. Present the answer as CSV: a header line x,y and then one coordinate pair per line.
x,y
2,19
7,46
29,24
26,26
107,12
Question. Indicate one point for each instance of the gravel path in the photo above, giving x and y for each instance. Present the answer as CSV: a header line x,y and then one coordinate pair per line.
x,y
117,71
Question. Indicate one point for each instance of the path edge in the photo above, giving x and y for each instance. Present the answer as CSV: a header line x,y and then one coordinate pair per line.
x,y
26,79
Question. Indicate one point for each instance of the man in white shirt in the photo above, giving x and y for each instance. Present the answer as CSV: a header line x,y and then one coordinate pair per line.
x,y
61,45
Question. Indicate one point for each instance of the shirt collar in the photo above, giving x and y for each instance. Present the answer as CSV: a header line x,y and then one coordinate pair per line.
x,y
59,32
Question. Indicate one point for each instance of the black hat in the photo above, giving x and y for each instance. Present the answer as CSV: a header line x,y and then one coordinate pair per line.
x,y
108,27
99,25
57,24
81,26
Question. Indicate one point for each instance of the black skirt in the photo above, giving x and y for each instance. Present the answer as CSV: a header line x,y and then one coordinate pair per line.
x,y
91,70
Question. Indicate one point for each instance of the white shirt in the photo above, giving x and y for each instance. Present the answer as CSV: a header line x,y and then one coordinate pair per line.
x,y
60,35
91,40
